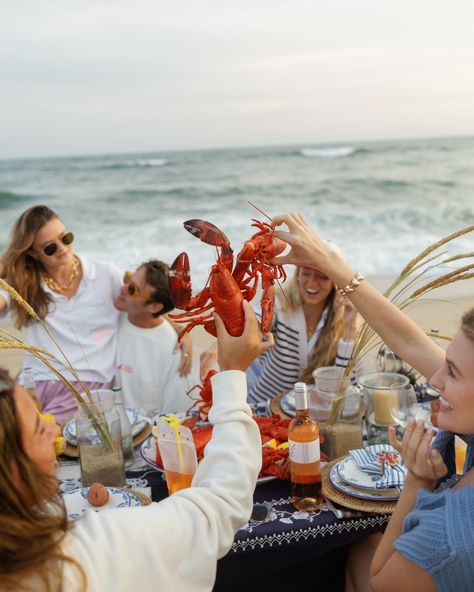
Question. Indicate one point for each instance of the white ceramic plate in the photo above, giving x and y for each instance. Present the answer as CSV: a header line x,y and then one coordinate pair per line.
x,y
148,454
367,494
70,433
351,474
76,501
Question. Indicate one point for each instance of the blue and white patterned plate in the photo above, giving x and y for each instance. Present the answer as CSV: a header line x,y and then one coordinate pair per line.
x,y
386,495
139,423
76,501
148,454
350,473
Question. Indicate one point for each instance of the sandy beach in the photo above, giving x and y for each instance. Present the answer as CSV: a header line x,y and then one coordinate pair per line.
x,y
442,310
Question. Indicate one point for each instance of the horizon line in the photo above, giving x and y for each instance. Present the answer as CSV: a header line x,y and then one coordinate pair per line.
x,y
237,147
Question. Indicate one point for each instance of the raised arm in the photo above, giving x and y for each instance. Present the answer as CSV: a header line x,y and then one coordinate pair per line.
x,y
400,333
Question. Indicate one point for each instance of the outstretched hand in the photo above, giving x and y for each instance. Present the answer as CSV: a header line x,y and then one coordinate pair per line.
x,y
237,353
423,463
307,248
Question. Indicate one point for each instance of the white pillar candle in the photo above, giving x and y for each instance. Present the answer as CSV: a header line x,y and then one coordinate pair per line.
x,y
385,407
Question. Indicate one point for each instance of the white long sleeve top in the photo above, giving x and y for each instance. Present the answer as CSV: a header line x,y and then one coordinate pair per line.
x,y
174,545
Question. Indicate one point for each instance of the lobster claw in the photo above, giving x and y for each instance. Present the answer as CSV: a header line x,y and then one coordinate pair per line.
x,y
207,232
179,281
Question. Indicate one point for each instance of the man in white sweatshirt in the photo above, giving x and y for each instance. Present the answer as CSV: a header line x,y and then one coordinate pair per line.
x,y
147,363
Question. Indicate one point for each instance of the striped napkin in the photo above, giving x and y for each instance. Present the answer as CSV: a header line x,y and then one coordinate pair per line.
x,y
382,460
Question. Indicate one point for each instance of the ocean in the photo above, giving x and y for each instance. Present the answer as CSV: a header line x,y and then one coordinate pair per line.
x,y
381,202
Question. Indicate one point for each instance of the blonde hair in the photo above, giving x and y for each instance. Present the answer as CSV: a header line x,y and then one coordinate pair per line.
x,y
31,530
23,271
324,352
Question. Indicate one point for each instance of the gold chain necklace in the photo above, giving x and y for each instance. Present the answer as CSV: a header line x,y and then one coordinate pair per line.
x,y
52,285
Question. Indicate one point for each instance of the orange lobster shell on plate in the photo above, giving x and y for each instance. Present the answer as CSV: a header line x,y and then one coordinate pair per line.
x,y
274,458
228,284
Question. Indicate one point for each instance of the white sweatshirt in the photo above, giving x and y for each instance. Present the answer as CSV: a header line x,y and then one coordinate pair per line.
x,y
148,368
174,545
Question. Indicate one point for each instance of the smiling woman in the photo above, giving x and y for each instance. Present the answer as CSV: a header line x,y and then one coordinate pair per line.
x,y
405,558
312,327
72,295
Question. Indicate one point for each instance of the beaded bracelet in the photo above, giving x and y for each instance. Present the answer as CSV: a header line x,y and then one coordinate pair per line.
x,y
355,281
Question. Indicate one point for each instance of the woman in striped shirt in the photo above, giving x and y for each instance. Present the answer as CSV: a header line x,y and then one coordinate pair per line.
x,y
312,327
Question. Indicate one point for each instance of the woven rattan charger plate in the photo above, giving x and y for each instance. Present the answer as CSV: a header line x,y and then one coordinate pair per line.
x,y
354,503
275,406
73,451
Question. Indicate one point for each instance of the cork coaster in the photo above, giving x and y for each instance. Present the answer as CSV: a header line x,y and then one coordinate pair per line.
x,y
348,501
73,452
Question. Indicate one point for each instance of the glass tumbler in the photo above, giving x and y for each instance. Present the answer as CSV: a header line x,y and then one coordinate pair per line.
x,y
99,441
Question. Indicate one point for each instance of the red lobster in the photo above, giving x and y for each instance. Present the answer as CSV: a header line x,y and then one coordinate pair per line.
x,y
227,285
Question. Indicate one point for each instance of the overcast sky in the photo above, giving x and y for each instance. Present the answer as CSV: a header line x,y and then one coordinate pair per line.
x,y
99,76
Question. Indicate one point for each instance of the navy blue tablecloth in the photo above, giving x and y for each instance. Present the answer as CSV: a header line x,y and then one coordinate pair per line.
x,y
292,549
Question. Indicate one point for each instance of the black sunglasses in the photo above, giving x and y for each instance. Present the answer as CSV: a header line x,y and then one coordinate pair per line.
x,y
51,248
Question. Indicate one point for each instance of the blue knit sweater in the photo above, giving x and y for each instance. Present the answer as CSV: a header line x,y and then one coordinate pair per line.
x,y
438,535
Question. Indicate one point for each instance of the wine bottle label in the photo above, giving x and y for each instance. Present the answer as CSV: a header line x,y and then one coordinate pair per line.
x,y
304,452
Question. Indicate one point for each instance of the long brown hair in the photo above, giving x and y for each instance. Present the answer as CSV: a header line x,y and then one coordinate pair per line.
x,y
324,352
31,531
23,271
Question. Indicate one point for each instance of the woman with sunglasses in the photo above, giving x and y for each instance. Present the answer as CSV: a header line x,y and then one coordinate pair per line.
x,y
73,295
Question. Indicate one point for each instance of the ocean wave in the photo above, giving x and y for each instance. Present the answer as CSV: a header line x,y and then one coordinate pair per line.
x,y
148,162
8,198
329,152
137,163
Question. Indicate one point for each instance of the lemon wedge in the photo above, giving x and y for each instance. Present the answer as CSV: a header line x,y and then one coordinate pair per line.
x,y
270,444
60,445
283,446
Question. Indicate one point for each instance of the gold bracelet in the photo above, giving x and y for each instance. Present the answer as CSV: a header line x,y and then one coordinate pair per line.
x,y
355,281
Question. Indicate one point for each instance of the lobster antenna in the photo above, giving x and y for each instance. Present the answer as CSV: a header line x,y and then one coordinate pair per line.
x,y
283,292
259,210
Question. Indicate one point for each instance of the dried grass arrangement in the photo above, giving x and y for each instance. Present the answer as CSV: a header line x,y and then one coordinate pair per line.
x,y
405,290
85,399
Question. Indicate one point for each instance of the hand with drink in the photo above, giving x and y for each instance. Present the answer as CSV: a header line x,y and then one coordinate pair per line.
x,y
175,441
423,464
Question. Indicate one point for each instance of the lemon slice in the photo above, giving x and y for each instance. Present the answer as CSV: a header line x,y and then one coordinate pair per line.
x,y
270,444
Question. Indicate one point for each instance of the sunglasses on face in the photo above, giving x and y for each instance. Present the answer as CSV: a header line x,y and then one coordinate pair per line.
x,y
132,288
50,249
